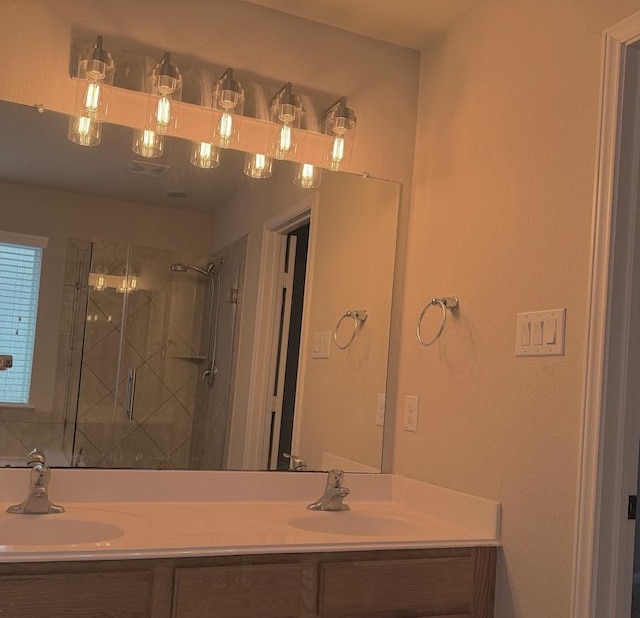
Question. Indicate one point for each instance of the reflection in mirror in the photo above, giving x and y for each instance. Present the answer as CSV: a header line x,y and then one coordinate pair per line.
x,y
168,334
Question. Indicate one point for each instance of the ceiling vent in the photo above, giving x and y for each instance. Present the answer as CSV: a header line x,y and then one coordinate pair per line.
x,y
141,168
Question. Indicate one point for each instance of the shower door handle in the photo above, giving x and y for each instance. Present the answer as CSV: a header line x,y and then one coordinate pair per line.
x,y
131,394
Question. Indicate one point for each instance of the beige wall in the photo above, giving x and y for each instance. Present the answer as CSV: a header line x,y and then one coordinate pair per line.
x,y
501,216
60,215
353,264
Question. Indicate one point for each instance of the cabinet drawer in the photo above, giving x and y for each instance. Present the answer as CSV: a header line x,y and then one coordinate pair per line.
x,y
423,587
252,591
76,595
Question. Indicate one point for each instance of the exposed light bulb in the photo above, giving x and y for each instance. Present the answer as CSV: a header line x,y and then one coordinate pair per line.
x,y
205,155
225,127
133,284
83,126
148,143
92,97
337,152
100,283
260,162
308,176
163,112
285,141
84,131
257,166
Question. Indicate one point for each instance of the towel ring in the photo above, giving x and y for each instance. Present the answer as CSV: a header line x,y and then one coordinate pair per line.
x,y
450,303
359,317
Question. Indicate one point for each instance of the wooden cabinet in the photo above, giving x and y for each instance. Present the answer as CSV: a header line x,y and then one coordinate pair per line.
x,y
252,591
434,583
456,582
76,595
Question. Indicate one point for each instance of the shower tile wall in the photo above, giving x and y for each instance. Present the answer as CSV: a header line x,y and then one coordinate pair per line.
x,y
162,335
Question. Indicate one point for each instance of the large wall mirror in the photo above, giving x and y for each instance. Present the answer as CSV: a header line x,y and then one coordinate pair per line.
x,y
151,321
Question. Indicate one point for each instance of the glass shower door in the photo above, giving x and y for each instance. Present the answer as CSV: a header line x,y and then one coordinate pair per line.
x,y
142,360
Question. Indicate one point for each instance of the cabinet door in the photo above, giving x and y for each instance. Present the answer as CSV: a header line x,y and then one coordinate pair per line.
x,y
422,587
253,591
76,595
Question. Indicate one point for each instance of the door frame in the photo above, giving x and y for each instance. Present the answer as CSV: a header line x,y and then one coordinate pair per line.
x,y
609,432
256,442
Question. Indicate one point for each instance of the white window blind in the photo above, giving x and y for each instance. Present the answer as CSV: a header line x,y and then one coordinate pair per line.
x,y
19,287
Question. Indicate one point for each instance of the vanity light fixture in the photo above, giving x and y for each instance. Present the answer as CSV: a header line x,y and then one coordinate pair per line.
x,y
95,78
257,165
339,121
147,143
205,155
228,103
308,176
285,113
164,86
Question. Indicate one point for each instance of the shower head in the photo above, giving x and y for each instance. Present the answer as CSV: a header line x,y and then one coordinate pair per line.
x,y
183,268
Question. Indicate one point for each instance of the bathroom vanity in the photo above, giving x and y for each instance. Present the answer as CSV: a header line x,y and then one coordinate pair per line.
x,y
244,546
386,584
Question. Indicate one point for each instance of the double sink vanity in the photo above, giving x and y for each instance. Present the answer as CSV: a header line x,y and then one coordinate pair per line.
x,y
173,544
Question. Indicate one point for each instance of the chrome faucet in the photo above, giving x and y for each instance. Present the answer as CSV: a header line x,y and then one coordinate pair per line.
x,y
296,464
37,501
334,494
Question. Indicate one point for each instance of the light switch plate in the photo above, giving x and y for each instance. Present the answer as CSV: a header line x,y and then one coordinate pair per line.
x,y
540,333
321,347
410,416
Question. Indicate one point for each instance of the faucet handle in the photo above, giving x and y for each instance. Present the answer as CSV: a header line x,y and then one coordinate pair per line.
x,y
35,457
335,478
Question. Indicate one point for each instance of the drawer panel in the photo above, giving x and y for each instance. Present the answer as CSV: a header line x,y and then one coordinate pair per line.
x,y
252,591
76,595
432,586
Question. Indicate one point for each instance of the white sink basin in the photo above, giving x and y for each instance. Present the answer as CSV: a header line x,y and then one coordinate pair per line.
x,y
355,524
47,530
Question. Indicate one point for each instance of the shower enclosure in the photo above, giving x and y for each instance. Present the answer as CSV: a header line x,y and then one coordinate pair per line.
x,y
147,358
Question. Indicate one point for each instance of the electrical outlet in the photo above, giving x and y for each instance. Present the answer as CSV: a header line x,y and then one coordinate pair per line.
x,y
410,417
380,409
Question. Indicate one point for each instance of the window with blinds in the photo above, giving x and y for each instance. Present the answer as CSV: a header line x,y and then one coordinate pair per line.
x,y
19,287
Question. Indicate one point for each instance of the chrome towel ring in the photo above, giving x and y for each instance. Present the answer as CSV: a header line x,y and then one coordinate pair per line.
x,y
359,317
449,303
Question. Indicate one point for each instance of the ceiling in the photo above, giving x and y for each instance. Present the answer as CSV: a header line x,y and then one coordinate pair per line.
x,y
35,151
410,23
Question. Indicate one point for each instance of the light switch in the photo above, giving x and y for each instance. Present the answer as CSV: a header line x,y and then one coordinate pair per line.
x,y
536,336
549,331
540,333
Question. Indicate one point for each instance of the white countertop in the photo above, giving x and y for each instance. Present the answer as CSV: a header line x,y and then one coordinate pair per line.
x,y
387,512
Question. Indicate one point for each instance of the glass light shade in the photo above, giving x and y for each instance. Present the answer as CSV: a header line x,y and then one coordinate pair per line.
x,y
205,155
308,176
285,114
148,144
84,131
339,122
95,78
164,87
257,165
228,105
